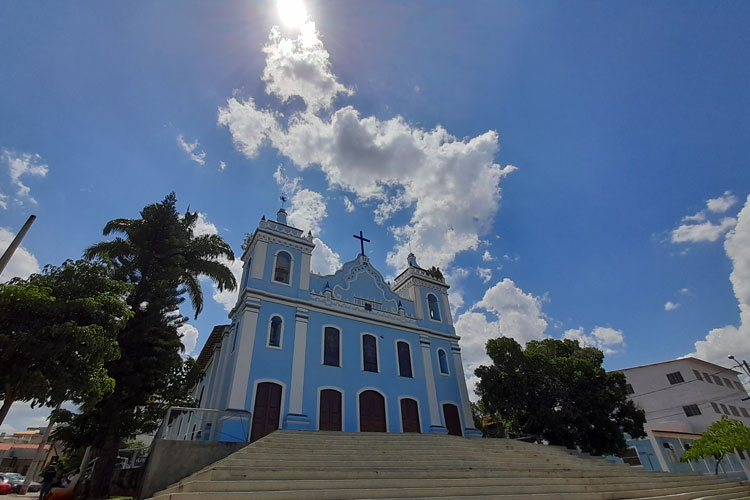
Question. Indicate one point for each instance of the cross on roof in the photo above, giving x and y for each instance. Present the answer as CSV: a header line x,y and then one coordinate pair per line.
x,y
283,199
362,240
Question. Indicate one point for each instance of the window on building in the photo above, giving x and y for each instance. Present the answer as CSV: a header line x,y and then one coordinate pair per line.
x,y
718,380
697,374
331,354
629,389
744,412
675,378
715,407
671,454
739,387
728,383
274,332
369,353
691,410
734,411
404,359
443,361
724,408
707,378
283,269
432,303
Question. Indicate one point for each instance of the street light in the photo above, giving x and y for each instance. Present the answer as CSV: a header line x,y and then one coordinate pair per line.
x,y
742,366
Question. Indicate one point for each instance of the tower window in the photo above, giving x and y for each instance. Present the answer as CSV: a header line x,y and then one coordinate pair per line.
x,y
369,353
443,362
404,359
283,269
331,353
432,304
274,332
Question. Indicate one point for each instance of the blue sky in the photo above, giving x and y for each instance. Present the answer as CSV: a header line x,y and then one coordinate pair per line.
x,y
576,168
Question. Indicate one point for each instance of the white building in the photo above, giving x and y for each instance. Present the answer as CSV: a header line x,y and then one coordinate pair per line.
x,y
682,398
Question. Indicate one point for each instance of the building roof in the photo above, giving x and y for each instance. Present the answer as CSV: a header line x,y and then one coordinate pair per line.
x,y
715,366
208,348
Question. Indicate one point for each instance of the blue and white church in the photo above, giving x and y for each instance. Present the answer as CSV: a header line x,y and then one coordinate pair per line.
x,y
342,352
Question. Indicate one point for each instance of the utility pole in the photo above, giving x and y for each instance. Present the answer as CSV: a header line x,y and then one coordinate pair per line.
x,y
34,467
15,243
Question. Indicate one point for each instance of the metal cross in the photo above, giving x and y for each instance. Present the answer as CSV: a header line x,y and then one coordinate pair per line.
x,y
362,240
283,200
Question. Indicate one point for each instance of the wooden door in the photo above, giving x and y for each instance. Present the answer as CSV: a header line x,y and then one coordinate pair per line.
x,y
266,411
371,412
330,410
452,422
409,416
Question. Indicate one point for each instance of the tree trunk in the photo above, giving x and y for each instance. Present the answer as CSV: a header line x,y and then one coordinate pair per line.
x,y
718,461
105,466
7,402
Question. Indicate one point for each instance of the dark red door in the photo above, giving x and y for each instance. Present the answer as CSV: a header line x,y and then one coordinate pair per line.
x,y
409,416
330,410
371,412
452,422
267,410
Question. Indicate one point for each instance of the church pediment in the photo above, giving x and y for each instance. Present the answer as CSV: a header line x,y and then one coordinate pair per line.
x,y
360,283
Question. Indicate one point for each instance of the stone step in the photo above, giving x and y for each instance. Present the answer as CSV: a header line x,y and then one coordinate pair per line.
x,y
684,493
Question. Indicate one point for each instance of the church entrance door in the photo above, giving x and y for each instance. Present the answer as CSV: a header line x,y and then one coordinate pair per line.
x,y
371,412
330,410
409,416
266,411
452,422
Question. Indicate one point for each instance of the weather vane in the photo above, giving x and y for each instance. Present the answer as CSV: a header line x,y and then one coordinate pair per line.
x,y
283,200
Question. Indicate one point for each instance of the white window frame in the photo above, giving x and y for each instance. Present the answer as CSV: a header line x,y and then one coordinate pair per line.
x,y
323,346
411,359
447,366
362,352
291,267
437,304
281,332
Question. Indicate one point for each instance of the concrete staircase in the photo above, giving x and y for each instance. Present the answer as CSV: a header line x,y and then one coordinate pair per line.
x,y
298,465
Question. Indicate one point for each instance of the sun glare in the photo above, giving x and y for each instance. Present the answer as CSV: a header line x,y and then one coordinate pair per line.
x,y
292,12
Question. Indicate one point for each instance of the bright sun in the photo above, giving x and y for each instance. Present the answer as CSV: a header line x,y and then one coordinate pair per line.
x,y
292,12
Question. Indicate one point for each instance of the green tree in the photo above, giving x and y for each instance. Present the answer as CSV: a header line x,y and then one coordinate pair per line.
x,y
722,437
161,257
558,391
57,331
435,273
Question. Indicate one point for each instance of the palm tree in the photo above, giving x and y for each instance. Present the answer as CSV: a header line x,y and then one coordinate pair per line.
x,y
163,259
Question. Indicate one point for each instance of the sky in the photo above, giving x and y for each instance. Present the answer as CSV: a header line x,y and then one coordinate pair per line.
x,y
576,169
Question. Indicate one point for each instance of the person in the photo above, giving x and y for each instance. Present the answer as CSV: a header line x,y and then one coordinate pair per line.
x,y
47,478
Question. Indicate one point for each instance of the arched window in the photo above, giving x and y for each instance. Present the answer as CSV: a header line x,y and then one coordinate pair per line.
x,y
369,353
274,332
331,353
443,362
404,359
283,269
432,303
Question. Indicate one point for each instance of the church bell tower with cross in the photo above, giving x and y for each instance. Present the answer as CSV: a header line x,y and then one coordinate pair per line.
x,y
339,352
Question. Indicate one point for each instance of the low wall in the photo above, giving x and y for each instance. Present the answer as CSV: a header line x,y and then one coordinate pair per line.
x,y
171,461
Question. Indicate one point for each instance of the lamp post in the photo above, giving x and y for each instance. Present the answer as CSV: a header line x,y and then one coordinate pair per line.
x,y
742,366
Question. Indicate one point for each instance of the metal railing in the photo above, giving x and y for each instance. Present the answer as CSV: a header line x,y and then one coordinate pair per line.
x,y
204,424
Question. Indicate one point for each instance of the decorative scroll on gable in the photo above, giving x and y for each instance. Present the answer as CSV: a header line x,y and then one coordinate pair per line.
x,y
357,282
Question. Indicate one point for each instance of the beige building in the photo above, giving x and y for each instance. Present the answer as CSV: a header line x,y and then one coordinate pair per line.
x,y
17,451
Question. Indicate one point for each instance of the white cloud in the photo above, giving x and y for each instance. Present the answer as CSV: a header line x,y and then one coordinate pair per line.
x,y
608,340
671,306
191,148
324,260
222,165
348,204
4,201
22,264
451,184
722,203
189,337
301,68
685,291
204,226
22,415
307,210
731,339
23,165
484,273
487,256
698,217
706,231
229,298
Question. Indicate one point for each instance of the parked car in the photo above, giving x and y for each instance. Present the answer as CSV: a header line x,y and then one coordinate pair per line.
x,y
5,487
16,481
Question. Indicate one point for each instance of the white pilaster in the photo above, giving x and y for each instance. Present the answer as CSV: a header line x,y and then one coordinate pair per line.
x,y
418,302
304,279
430,382
244,354
298,362
258,265
447,310
458,368
221,399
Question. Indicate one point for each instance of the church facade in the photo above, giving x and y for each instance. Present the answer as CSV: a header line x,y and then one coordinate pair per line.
x,y
342,352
